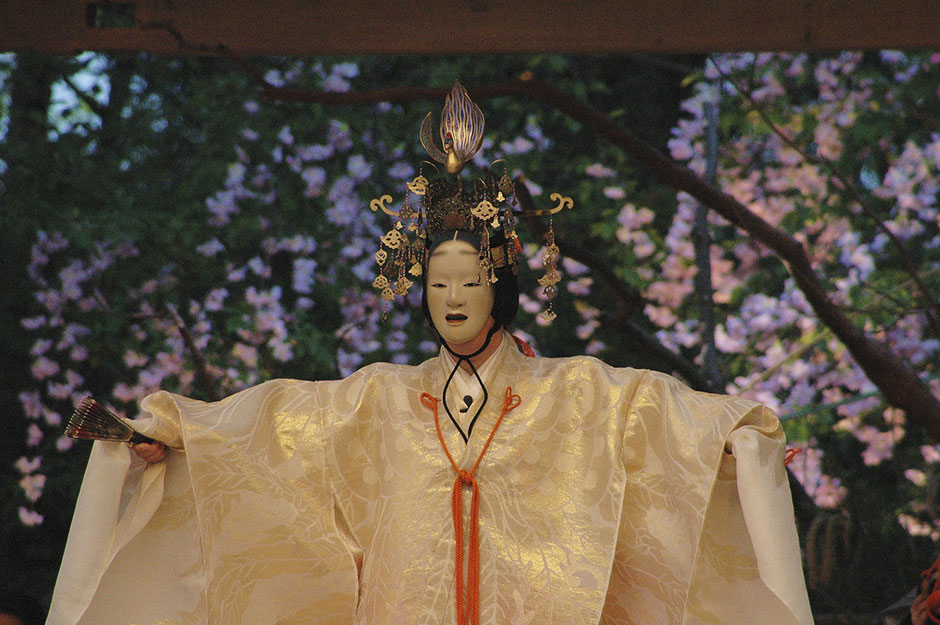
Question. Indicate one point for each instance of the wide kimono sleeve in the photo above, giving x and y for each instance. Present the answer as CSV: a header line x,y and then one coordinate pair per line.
x,y
707,533
237,526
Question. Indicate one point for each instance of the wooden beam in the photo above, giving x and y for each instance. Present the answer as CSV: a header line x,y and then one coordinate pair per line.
x,y
307,27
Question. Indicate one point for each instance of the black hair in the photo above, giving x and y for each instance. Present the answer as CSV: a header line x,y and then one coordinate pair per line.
x,y
505,289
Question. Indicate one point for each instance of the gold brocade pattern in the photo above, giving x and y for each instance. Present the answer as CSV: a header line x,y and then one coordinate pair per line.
x,y
608,496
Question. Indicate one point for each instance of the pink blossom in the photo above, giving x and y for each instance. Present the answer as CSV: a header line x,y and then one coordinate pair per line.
x,y
319,152
41,346
585,330
669,294
680,149
347,361
274,78
32,486
401,170
685,333
88,304
32,406
58,390
614,193
27,465
282,351
248,354
236,274
913,526
347,69
660,315
51,300
580,287
303,274
338,135
826,491
210,248
44,367
315,177
521,145
534,189
829,492
529,305
285,136
134,359
34,323
597,170
123,392
595,347
70,335
919,478
726,343
828,141
633,219
335,83
573,267
72,275
931,453
64,443
34,435
51,417
215,300
222,206
259,267
880,445
30,518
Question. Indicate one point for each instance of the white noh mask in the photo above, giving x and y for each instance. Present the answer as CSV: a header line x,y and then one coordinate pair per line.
x,y
459,297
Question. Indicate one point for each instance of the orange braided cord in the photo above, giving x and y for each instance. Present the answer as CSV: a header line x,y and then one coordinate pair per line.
x,y
790,453
468,604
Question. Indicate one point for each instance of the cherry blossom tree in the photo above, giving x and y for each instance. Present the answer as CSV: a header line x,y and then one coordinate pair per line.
x,y
204,277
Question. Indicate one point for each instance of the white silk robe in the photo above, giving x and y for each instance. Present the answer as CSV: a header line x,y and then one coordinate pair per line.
x,y
609,496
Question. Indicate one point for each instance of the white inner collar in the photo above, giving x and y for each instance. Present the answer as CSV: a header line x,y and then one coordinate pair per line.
x,y
465,384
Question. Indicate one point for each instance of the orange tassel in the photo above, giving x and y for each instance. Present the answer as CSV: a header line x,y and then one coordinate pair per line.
x,y
468,602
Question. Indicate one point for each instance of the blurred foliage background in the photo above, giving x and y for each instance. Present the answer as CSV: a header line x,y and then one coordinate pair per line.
x,y
165,226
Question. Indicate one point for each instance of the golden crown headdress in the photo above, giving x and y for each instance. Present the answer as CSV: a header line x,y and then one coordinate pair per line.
x,y
487,208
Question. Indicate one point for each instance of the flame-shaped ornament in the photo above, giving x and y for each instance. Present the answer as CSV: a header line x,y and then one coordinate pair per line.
x,y
461,131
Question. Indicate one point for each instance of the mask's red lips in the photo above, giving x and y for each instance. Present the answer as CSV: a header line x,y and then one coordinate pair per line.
x,y
456,317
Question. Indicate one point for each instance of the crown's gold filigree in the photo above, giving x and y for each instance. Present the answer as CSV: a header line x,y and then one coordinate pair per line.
x,y
485,208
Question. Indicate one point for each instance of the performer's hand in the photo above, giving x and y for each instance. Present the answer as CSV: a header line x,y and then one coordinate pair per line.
x,y
150,452
919,611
